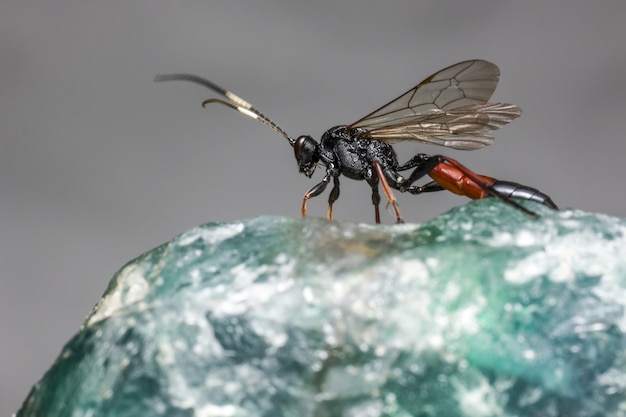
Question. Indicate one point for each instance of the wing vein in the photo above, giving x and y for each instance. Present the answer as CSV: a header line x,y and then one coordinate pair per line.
x,y
449,108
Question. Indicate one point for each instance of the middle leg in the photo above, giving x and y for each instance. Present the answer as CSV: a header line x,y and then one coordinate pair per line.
x,y
334,195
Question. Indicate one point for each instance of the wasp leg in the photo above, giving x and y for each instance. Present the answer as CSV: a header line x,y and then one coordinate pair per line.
x,y
334,195
423,164
373,182
390,197
315,191
427,163
417,160
426,188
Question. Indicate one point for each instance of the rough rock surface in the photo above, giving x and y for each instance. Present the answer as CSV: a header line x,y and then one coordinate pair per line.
x,y
480,312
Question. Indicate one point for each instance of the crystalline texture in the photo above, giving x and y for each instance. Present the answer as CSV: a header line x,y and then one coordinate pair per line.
x,y
480,312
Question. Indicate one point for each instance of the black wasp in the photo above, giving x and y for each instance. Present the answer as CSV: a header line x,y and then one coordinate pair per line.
x,y
450,108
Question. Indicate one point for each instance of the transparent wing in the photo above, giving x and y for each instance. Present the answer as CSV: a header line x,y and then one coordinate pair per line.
x,y
449,108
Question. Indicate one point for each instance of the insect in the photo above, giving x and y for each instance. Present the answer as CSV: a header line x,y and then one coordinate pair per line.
x,y
450,108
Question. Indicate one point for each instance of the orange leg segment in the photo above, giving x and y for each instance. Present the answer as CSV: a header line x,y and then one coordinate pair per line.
x,y
390,197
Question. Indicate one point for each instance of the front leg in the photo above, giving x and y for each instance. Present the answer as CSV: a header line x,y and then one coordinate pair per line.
x,y
315,191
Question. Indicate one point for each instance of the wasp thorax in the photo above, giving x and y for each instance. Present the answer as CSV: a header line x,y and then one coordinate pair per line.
x,y
305,149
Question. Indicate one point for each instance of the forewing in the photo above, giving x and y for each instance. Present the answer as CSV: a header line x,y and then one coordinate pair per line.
x,y
449,108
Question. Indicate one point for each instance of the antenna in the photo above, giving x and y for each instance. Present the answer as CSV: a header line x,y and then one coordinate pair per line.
x,y
234,102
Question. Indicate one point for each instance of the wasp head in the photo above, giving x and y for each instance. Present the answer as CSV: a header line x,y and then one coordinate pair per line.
x,y
306,151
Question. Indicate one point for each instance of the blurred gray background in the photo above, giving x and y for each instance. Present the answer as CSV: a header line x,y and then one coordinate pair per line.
x,y
98,164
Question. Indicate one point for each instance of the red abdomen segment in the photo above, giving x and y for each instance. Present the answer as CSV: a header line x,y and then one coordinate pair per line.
x,y
453,179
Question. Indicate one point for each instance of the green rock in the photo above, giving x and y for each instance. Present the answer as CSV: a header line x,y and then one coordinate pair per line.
x,y
482,311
